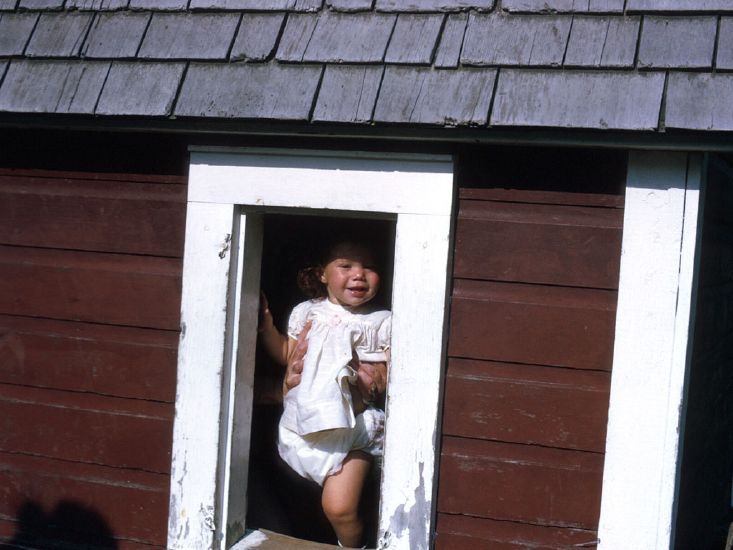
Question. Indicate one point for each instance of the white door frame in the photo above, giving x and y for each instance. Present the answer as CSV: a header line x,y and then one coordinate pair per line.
x,y
653,343
228,191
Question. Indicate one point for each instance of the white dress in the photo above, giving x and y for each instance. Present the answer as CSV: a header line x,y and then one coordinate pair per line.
x,y
318,427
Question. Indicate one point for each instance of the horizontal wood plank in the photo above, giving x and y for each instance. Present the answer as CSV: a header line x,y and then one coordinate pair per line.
x,y
520,483
132,505
84,286
457,532
69,355
541,197
563,408
95,176
136,217
536,243
88,428
540,325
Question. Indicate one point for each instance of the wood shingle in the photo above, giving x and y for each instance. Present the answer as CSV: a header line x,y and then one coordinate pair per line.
x,y
173,5
52,86
449,50
134,88
350,5
354,38
517,40
115,34
724,58
678,5
348,93
189,36
433,5
41,4
257,36
8,4
59,34
564,6
100,5
694,101
262,91
15,30
677,42
578,99
602,42
414,38
447,97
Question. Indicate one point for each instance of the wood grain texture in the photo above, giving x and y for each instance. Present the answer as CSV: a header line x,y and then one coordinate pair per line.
x,y
94,287
79,427
433,5
497,40
248,91
348,93
451,41
59,34
458,532
520,483
560,408
452,97
352,38
83,357
15,30
140,88
603,100
724,57
413,39
602,42
257,36
572,6
533,243
694,99
673,42
133,505
106,214
541,325
189,36
53,86
115,35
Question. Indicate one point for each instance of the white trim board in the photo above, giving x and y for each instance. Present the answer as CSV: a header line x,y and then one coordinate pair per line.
x,y
228,190
651,350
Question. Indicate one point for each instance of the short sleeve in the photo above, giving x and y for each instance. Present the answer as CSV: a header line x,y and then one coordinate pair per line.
x,y
298,318
384,334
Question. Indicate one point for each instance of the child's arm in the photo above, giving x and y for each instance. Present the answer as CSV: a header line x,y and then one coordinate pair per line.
x,y
275,343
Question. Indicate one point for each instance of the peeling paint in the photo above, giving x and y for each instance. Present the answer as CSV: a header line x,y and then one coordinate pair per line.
x,y
414,519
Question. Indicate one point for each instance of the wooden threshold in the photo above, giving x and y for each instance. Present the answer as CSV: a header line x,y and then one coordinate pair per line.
x,y
262,539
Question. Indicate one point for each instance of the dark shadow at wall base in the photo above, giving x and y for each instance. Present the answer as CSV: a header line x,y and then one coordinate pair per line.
x,y
70,526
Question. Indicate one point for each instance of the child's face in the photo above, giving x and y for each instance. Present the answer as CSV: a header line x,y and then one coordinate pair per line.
x,y
350,277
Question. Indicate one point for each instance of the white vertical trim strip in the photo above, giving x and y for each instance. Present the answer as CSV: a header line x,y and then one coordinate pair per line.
x,y
200,364
650,353
408,479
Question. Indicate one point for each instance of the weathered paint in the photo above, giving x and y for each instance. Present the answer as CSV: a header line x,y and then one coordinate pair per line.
x,y
652,345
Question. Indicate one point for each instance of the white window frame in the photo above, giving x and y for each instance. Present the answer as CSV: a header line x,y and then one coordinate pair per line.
x,y
229,190
653,343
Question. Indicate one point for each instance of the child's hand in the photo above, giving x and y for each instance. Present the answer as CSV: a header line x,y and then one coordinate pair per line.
x,y
295,361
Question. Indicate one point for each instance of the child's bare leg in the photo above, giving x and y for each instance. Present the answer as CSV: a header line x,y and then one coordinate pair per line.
x,y
341,496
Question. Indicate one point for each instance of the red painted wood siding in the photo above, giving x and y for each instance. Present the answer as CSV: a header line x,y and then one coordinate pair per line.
x,y
90,275
527,383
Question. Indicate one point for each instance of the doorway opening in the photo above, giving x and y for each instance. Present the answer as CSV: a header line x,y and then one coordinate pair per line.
x,y
280,500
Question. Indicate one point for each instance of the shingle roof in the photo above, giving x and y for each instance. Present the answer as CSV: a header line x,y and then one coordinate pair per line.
x,y
639,65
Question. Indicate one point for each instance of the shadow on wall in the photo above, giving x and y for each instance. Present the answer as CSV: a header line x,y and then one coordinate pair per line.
x,y
69,526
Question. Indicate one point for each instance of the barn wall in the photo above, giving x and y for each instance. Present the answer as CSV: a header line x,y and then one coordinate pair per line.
x,y
707,465
538,241
90,268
